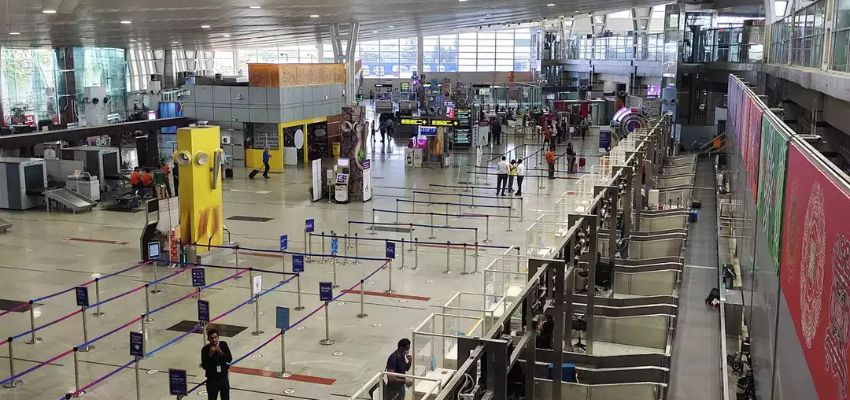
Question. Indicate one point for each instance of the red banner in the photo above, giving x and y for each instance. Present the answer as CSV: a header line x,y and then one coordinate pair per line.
x,y
815,272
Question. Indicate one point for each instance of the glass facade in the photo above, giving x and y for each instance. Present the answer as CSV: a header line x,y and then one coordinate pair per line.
x,y
102,67
807,38
841,36
141,64
649,48
27,84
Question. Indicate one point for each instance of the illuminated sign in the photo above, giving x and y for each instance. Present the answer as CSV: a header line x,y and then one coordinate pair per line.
x,y
444,122
426,122
412,121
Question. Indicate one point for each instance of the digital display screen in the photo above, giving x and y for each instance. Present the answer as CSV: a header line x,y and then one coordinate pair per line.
x,y
428,130
341,179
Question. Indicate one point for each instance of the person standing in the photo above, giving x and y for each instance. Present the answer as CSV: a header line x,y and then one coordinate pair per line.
x,y
496,127
215,360
372,97
266,158
511,176
520,174
398,362
571,158
502,170
550,159
136,180
166,171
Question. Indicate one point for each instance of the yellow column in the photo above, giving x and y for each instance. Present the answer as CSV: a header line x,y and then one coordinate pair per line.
x,y
198,154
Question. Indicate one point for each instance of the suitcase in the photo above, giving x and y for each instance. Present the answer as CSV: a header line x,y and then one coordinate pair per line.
x,y
228,173
253,174
581,162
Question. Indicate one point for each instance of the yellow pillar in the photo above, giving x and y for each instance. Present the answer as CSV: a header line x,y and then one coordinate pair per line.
x,y
198,155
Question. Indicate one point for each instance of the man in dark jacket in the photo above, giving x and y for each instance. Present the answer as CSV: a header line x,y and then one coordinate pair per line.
x,y
215,360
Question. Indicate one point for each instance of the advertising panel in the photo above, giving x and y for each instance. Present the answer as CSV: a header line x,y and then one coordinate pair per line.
x,y
774,150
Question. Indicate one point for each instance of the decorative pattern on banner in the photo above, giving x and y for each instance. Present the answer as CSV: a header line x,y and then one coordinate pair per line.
x,y
753,147
771,189
744,114
815,272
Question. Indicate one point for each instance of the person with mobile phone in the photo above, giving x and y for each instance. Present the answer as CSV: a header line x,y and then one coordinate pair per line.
x,y
215,360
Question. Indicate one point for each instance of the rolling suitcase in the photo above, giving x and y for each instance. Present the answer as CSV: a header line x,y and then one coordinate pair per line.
x,y
581,162
253,174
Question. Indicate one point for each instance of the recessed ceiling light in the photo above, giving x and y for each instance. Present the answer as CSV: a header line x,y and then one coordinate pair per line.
x,y
175,42
392,26
461,1
550,5
374,31
48,11
226,35
14,33
126,22
205,27
314,16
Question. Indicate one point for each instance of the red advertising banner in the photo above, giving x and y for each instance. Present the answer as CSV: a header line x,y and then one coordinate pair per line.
x,y
815,272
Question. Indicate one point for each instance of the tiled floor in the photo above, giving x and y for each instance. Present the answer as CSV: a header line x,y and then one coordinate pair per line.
x,y
44,253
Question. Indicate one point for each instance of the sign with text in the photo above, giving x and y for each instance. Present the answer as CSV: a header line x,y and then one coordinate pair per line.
x,y
284,242
335,246
257,285
137,344
326,291
82,296
199,277
177,382
297,263
390,250
203,311
282,318
153,250
310,225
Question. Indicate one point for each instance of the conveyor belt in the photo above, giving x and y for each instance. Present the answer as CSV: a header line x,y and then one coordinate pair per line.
x,y
70,199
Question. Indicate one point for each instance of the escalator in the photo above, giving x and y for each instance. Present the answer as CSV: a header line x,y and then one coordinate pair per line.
x,y
68,199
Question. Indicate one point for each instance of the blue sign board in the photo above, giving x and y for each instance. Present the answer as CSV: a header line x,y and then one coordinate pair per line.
x,y
198,277
153,250
326,291
82,296
282,320
310,225
335,246
297,263
604,138
137,344
284,242
177,382
390,250
203,311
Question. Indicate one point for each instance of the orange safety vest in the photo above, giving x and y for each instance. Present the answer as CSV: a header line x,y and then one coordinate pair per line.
x,y
147,179
135,178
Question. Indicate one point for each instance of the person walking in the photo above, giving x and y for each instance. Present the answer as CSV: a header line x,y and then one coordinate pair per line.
x,y
373,130
215,360
398,362
266,158
571,158
502,170
520,175
550,159
511,176
372,97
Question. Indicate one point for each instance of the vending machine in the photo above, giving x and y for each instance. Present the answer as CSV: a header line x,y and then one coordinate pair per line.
x,y
343,174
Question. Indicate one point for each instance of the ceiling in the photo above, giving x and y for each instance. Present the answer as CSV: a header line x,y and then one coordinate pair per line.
x,y
163,23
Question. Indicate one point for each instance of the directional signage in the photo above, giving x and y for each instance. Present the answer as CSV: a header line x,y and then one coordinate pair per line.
x,y
428,122
282,319
412,121
198,277
310,225
82,296
390,250
326,291
203,311
137,344
153,250
284,242
444,122
297,263
177,382
335,246
257,285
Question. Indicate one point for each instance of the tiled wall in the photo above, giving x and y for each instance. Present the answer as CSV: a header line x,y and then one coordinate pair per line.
x,y
261,104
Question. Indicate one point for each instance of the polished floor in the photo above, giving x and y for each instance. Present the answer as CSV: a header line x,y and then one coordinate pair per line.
x,y
46,253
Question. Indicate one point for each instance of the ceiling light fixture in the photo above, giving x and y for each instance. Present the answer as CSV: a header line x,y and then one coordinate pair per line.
x,y
14,33
462,1
392,26
126,22
48,11
374,31
205,27
255,7
314,16
227,35
175,42
550,5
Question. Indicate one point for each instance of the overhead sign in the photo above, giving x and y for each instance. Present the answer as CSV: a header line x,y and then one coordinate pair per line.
x,y
326,291
297,263
203,311
444,122
284,242
428,122
199,277
282,318
177,382
390,250
413,121
257,285
82,296
137,345
310,225
153,250
335,246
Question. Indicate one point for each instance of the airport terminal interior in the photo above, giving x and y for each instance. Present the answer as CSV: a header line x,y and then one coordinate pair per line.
x,y
438,200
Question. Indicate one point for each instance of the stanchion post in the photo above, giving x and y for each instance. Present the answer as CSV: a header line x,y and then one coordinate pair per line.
x,y
410,237
148,318
416,254
298,289
333,262
448,249
390,271
32,339
356,249
86,346
464,260
13,383
283,374
345,250
402,254
77,392
250,287
282,265
307,245
476,259
362,289
138,387
396,210
349,233
487,229
509,224
475,254
155,285
257,331
432,227
322,259
327,341
237,262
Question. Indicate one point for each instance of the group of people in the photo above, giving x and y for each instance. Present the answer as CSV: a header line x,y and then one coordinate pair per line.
x,y
507,172
143,183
